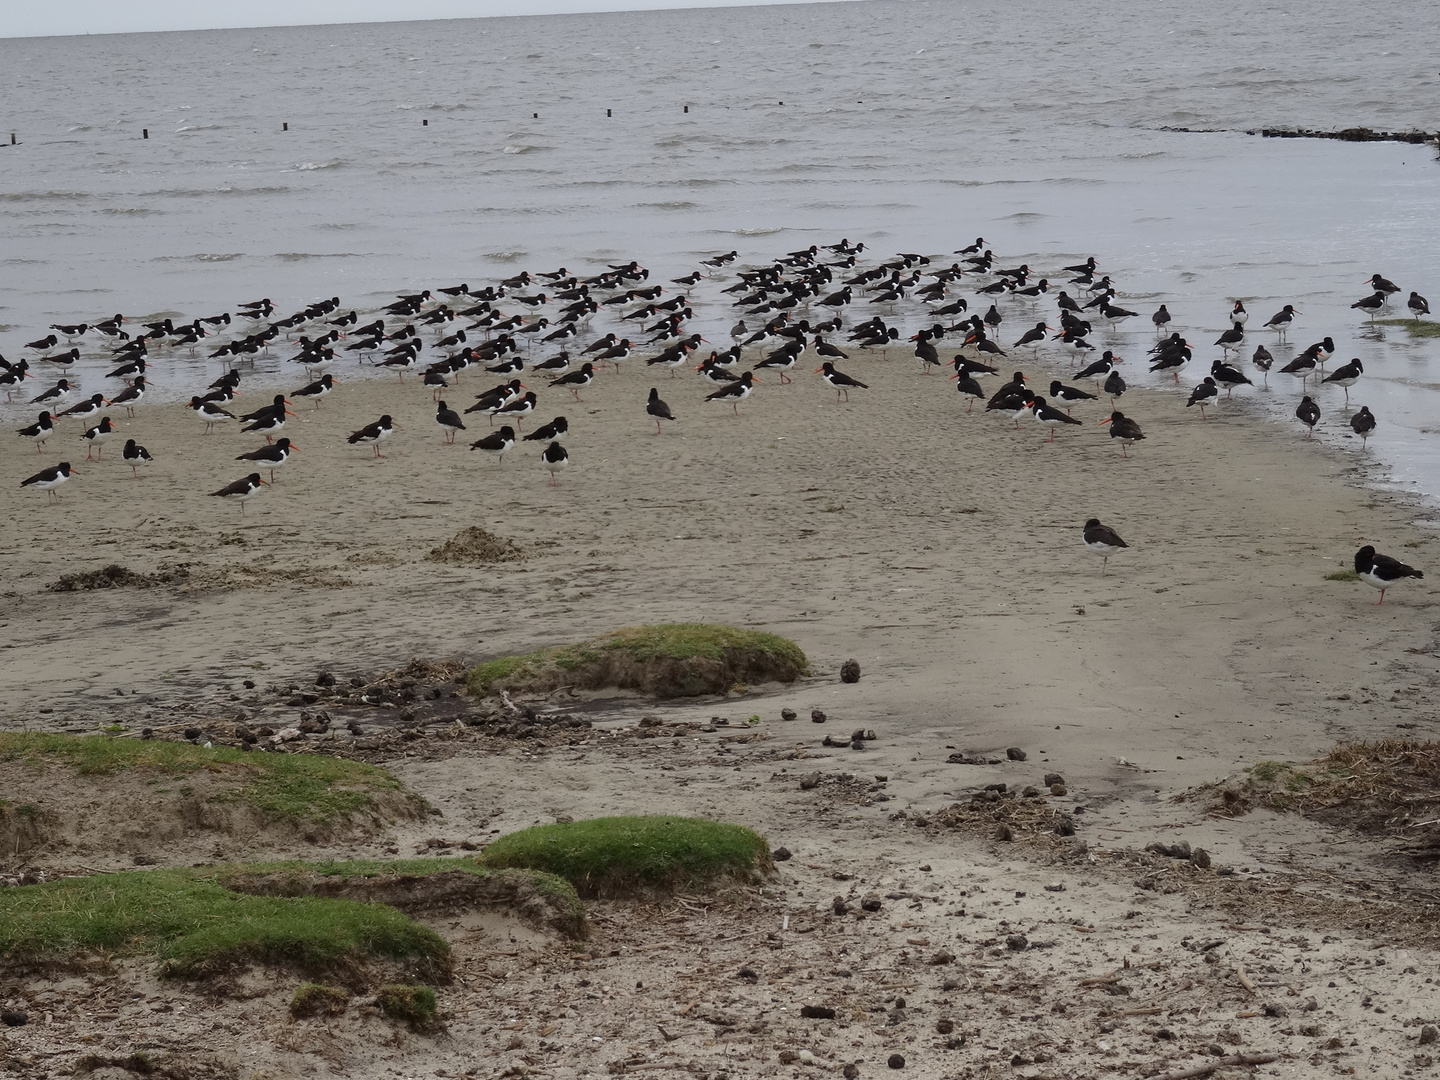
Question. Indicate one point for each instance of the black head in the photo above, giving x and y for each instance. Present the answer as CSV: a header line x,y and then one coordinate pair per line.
x,y
1092,523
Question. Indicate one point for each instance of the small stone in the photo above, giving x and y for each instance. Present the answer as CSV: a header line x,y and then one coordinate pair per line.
x,y
896,1061
1311,1004
839,906
325,679
817,1012
1065,826
1017,943
1004,832
944,956
249,684
355,680
955,1042
950,984
1057,789
1311,1031
1215,1050
1053,778
810,780
14,1018
749,975
871,902
1014,753
817,717
193,733
1180,850
1058,886
781,854
857,744
651,721
789,714
788,1057
1201,858
945,1027
850,672
1428,1034
1030,792
1166,1034
850,1071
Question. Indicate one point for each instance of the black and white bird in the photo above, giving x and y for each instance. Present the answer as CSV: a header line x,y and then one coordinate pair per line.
x,y
1228,377
83,410
1418,305
1068,394
241,490
56,395
210,413
575,381
498,443
135,455
1371,304
554,458
449,421
1346,375
1381,571
1363,423
1382,285
1103,541
549,432
1204,394
47,480
657,409
1161,319
1264,360
131,395
1050,416
272,455
39,431
1308,413
1238,315
374,434
736,392
317,389
1281,320
96,437
1124,429
1114,386
839,381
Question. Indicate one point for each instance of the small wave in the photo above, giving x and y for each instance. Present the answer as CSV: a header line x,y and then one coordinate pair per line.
x,y
668,205
1024,215
203,256
297,256
198,127
42,196
506,256
201,193
79,127
138,211
764,231
311,166
522,148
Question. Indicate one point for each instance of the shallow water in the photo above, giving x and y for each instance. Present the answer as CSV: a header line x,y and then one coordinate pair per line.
x,y
910,126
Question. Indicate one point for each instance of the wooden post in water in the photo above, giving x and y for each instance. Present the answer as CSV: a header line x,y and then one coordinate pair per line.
x,y
285,126
687,108
144,133
424,123
12,138
607,112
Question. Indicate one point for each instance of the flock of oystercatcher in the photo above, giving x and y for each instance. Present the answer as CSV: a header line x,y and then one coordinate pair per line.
x,y
790,306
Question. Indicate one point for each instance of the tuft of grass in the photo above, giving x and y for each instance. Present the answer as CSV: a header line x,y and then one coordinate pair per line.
x,y
195,926
1342,575
318,999
626,855
315,787
1420,328
671,659
1281,774
413,1005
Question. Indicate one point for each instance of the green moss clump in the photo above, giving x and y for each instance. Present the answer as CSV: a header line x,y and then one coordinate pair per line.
x,y
1342,575
315,787
412,1005
318,999
620,856
668,660
195,926
1420,328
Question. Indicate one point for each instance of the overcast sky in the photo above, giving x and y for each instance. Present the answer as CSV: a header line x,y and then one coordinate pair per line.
x,y
110,17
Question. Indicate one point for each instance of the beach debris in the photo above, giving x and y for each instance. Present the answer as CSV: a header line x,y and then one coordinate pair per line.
x,y
1053,778
748,974
839,906
325,679
817,1012
850,671
1014,753
817,717
789,714
781,854
896,1061
14,1018
1017,943
850,1071
1058,789
809,780
870,902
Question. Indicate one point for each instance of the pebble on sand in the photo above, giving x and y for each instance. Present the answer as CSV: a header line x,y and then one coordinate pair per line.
x,y
897,1061
817,717
850,672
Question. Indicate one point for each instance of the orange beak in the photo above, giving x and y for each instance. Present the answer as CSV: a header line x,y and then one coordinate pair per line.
x,y
1105,421
294,447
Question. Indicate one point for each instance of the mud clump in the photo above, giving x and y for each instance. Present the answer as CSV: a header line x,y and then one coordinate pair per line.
x,y
116,576
476,547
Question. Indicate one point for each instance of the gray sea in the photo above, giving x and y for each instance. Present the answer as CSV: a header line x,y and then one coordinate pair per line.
x,y
424,154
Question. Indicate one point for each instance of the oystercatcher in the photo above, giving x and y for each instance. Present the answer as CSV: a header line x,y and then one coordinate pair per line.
x,y
1371,304
1363,423
374,433
240,490
449,421
131,395
48,480
1238,315
1100,368
782,359
554,458
1346,375
58,393
84,409
735,392
1308,414
1033,338
658,409
135,455
1115,315
1161,319
11,375
518,408
1204,394
271,456
497,442
839,381
1303,366
1103,541
210,413
1418,305
1264,361
966,384
96,437
549,432
1382,285
38,431
1281,320
1114,386
1228,377
617,352
1068,394
1231,338
1050,416
1124,429
317,389
575,381
1381,571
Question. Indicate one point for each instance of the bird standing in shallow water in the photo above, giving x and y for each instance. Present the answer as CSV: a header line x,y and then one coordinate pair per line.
x,y
1308,414
1363,423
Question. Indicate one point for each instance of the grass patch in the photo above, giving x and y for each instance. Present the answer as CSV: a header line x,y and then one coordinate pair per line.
x,y
195,926
314,787
318,999
667,660
619,856
1342,575
413,1005
1420,328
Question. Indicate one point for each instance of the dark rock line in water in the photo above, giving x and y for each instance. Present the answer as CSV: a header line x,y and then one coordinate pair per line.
x,y
1355,134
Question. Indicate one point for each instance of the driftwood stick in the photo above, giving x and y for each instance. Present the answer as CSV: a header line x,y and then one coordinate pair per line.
x,y
1218,1063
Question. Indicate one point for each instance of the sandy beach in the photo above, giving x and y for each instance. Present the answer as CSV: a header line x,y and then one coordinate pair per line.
x,y
942,551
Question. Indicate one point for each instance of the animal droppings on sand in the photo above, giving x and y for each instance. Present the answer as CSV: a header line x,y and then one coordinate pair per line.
x,y
476,546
